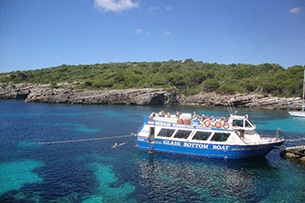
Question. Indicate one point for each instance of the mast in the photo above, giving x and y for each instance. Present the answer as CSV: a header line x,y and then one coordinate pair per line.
x,y
303,103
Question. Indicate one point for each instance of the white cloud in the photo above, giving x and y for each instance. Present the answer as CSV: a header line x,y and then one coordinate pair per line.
x,y
297,10
167,33
157,8
139,31
153,8
115,5
168,8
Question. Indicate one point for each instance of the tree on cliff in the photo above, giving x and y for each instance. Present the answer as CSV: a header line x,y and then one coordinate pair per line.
x,y
188,77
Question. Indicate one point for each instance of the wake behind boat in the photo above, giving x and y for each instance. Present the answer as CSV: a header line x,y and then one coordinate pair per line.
x,y
232,138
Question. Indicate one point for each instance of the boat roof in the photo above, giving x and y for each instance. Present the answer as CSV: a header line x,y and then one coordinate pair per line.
x,y
163,122
234,122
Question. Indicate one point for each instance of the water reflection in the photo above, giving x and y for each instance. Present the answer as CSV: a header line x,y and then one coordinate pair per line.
x,y
165,177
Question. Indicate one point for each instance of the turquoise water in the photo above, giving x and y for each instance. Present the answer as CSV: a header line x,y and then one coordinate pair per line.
x,y
93,171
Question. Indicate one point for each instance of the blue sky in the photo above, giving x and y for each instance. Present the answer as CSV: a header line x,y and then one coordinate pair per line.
x,y
39,34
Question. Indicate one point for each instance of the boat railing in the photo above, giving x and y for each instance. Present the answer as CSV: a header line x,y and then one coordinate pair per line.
x,y
186,120
234,122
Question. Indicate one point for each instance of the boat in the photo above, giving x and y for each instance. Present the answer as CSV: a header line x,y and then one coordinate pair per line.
x,y
227,138
299,113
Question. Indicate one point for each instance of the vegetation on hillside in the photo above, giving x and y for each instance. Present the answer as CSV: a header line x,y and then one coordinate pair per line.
x,y
188,77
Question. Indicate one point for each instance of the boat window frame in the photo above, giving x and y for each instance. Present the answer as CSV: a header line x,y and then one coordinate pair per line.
x,y
251,124
238,123
243,123
205,132
217,134
167,133
184,135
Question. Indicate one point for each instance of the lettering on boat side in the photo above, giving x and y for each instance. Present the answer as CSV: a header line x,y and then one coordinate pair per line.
x,y
163,124
173,143
196,145
180,125
167,124
220,147
142,139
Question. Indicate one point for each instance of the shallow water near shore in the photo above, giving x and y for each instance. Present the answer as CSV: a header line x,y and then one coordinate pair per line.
x,y
80,164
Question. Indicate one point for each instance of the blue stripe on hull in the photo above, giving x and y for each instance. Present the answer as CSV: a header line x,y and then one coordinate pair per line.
x,y
207,150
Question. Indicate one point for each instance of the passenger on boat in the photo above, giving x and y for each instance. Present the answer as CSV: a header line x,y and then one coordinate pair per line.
x,y
194,115
203,117
161,113
242,133
152,115
168,114
222,118
212,118
177,114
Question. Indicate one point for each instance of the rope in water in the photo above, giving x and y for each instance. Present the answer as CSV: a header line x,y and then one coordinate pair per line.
x,y
84,140
292,137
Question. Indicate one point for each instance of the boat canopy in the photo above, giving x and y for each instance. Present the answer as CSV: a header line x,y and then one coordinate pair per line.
x,y
241,122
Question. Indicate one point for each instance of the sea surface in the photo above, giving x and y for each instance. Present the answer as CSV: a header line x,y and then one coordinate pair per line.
x,y
65,153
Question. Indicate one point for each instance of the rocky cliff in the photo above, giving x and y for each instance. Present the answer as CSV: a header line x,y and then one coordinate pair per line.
x,y
149,96
241,100
44,93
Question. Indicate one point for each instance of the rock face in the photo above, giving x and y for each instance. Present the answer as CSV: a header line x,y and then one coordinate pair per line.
x,y
43,93
241,100
149,96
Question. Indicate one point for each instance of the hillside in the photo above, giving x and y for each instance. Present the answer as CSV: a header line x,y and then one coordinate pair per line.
x,y
184,77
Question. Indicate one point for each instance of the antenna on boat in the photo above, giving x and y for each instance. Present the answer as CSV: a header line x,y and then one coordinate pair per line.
x,y
231,107
277,133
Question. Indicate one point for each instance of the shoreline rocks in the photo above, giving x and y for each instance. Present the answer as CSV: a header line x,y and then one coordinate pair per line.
x,y
294,153
148,96
46,94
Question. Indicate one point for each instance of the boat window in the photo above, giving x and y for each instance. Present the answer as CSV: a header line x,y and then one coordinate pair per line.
x,y
201,135
151,134
166,132
249,123
238,123
182,134
220,137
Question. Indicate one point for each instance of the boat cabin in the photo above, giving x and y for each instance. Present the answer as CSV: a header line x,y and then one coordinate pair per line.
x,y
241,123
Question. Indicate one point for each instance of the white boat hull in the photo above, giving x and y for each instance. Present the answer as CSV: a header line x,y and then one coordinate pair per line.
x,y
297,113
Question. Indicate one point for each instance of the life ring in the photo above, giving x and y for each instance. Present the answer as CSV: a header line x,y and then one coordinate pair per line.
x,y
225,125
207,123
217,124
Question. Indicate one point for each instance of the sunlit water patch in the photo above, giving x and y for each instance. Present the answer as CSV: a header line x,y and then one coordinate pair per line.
x,y
15,175
27,144
108,191
85,129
